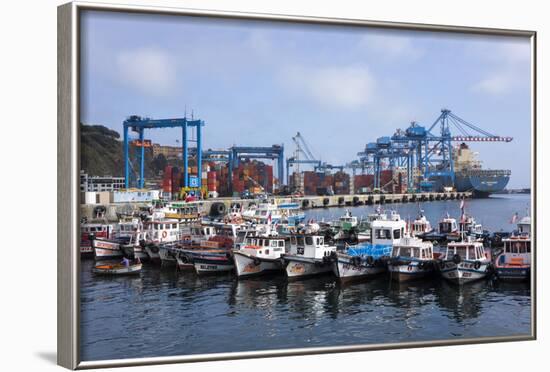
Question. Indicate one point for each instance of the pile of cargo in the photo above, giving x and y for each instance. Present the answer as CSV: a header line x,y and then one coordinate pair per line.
x,y
253,176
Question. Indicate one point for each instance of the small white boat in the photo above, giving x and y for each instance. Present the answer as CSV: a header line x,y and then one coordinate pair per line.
x,y
269,212
117,269
161,231
465,261
421,226
366,260
513,263
411,258
308,255
259,255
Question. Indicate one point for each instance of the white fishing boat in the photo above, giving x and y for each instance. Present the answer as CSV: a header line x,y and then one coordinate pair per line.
x,y
308,255
465,261
259,255
366,260
411,258
513,263
420,226
159,232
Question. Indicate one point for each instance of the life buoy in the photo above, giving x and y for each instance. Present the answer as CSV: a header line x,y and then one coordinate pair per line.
x,y
164,234
457,259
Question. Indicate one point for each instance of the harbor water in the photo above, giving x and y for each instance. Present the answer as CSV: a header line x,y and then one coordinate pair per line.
x,y
165,313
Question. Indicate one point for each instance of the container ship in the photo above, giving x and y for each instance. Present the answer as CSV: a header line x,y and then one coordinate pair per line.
x,y
469,175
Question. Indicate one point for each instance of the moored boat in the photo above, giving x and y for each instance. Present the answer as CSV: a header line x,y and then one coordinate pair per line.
x,y
308,255
465,261
259,255
368,259
117,269
411,258
91,231
213,263
513,263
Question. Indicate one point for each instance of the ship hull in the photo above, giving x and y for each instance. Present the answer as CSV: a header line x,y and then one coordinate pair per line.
x,y
482,183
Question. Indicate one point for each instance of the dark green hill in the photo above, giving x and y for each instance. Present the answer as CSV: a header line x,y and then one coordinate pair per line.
x,y
101,153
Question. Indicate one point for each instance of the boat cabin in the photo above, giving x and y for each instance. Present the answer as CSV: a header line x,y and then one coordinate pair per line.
x,y
165,230
198,233
469,226
348,221
387,232
517,251
311,246
410,247
420,226
448,225
471,251
524,226
99,230
267,247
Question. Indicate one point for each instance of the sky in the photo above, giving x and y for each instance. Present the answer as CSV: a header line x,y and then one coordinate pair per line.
x,y
257,83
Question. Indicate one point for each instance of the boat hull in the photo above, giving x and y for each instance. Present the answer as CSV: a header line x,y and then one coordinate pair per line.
x,y
213,264
117,269
513,274
153,252
106,249
345,270
300,267
408,272
167,257
246,265
464,272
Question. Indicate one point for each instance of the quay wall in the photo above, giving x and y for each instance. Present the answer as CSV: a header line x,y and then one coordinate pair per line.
x,y
112,210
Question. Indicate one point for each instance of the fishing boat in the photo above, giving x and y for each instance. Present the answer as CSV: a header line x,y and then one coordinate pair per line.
x,y
368,259
513,263
182,211
448,230
308,255
411,258
259,255
91,231
159,232
351,229
117,269
420,226
465,261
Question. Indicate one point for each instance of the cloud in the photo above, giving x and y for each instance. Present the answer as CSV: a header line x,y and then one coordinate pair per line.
x,y
347,87
150,70
391,46
495,85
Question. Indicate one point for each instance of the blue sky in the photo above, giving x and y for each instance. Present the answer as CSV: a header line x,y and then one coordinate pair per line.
x,y
258,83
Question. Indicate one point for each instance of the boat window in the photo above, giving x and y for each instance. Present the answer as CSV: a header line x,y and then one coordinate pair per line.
x,y
300,240
321,241
281,243
461,251
267,251
309,240
382,233
471,252
293,240
515,247
396,234
423,252
273,243
174,226
395,252
405,252
527,247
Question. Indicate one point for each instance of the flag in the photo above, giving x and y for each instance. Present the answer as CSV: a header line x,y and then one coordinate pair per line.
x,y
514,218
462,215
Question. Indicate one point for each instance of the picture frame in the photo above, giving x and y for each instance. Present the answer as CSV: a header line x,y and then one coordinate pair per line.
x,y
68,166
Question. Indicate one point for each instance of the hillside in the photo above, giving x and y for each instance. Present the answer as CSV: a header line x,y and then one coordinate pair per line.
x,y
101,153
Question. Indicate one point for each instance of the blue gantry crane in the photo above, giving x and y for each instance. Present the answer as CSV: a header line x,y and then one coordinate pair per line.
x,y
426,152
139,124
274,152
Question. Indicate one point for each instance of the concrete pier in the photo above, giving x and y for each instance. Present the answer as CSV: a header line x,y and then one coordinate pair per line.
x,y
306,202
